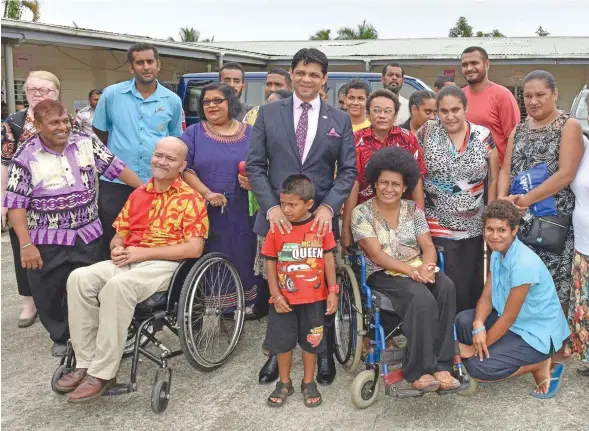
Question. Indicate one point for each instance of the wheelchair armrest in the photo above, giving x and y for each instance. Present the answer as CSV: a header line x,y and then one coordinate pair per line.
x,y
354,250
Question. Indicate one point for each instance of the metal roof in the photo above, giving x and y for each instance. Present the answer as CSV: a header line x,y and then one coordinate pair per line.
x,y
35,32
539,50
507,48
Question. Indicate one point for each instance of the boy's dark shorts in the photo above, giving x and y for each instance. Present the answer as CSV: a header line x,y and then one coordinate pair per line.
x,y
304,323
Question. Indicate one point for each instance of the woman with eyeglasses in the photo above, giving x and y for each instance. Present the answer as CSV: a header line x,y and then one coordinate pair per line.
x,y
216,146
382,107
16,129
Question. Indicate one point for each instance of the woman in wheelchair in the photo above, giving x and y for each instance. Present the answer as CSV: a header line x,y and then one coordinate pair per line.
x,y
394,235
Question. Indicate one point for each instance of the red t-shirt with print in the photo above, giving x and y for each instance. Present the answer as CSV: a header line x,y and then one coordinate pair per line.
x,y
299,262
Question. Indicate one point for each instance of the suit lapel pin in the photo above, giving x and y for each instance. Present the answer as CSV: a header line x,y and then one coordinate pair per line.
x,y
324,116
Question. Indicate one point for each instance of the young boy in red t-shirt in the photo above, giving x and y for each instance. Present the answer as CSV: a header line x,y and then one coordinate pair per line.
x,y
298,263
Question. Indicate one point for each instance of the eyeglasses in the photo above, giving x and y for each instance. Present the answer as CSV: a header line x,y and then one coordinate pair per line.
x,y
42,91
377,111
216,101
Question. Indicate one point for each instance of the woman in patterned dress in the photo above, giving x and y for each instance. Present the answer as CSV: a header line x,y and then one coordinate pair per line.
x,y
216,146
459,156
401,264
547,136
39,85
579,306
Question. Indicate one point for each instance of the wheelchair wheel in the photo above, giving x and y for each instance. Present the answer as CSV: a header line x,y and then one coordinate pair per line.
x,y
160,395
130,343
348,321
211,312
58,374
362,394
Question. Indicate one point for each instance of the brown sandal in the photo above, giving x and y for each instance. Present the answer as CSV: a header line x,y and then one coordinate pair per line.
x,y
447,381
426,383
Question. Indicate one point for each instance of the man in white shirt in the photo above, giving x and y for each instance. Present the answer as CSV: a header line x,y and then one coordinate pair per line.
x,y
392,79
86,115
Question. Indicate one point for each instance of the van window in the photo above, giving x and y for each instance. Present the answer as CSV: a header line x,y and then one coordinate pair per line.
x,y
254,92
406,90
193,90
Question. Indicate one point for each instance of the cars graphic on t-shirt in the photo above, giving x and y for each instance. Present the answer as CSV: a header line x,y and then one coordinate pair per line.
x,y
297,276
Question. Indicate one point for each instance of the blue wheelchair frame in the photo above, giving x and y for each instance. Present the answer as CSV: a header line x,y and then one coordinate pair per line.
x,y
373,357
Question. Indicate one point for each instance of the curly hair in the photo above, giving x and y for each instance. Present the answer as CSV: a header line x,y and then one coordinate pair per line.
x,y
228,93
394,159
502,210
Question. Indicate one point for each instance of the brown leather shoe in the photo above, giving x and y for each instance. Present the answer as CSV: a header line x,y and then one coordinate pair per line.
x,y
426,383
71,381
90,388
447,381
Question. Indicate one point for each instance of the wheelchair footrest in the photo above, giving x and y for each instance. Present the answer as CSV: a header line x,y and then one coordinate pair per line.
x,y
120,389
392,356
402,393
462,387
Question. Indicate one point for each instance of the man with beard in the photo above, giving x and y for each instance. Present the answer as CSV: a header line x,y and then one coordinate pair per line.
x,y
392,79
233,75
130,118
489,104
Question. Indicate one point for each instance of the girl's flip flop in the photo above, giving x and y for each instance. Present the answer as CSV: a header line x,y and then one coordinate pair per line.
x,y
555,382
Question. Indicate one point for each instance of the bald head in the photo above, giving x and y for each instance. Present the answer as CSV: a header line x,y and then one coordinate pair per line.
x,y
169,159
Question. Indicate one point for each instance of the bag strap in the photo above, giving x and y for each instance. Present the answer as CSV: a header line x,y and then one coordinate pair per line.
x,y
17,124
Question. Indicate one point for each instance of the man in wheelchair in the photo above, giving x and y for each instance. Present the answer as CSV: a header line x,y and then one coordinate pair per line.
x,y
161,224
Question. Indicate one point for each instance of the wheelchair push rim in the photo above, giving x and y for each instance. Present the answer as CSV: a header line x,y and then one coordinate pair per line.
x,y
212,312
348,321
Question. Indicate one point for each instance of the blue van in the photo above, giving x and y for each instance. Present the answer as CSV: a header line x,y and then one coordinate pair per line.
x,y
191,85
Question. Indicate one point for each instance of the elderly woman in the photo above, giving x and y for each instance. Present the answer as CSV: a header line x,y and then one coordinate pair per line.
x,y
216,146
579,306
518,323
547,136
458,157
16,129
394,235
382,106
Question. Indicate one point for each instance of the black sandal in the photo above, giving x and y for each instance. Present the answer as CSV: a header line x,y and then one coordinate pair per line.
x,y
309,390
280,393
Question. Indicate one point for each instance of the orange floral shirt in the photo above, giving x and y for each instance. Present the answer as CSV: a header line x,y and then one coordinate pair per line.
x,y
155,219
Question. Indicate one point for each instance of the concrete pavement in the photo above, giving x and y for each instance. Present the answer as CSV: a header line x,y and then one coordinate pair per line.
x,y
231,399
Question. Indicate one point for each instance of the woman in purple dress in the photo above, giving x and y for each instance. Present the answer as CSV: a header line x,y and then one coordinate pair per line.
x,y
216,146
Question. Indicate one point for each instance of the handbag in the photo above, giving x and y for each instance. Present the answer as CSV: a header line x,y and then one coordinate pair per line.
x,y
547,232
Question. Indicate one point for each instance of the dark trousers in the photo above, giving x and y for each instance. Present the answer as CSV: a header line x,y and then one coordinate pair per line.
x,y
22,282
48,285
111,199
464,264
507,354
428,316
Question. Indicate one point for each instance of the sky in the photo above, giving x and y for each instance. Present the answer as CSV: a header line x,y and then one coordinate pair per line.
x,y
244,20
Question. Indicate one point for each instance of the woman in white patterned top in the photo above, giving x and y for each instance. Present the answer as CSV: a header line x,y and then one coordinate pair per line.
x,y
394,235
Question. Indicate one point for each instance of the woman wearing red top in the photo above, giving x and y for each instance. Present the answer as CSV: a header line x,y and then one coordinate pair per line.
x,y
382,107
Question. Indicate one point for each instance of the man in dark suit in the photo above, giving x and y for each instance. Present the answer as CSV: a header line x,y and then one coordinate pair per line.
x,y
302,135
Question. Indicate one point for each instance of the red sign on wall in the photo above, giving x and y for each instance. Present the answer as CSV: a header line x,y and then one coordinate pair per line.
x,y
450,72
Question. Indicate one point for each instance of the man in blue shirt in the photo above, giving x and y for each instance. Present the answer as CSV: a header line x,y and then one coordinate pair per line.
x,y
130,118
518,323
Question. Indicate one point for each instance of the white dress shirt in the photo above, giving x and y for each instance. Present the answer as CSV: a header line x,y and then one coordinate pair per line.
x,y
403,114
313,114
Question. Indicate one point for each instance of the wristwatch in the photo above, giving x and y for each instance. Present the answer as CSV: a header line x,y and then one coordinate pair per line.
x,y
333,289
